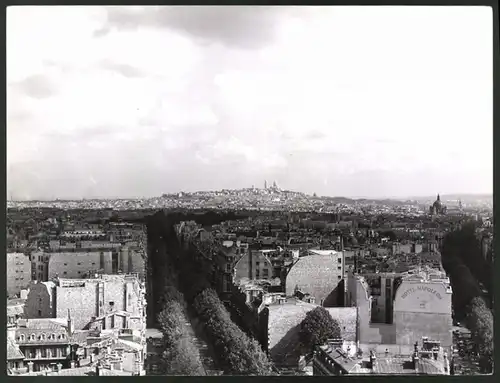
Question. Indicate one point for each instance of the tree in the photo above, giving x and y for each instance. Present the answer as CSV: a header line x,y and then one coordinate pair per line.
x,y
317,327
480,321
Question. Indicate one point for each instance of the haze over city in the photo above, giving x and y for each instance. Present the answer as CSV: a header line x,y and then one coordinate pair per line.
x,y
344,101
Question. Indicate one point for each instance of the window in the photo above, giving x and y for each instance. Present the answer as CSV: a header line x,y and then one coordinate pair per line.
x,y
339,276
339,260
64,273
22,337
52,336
79,272
266,273
339,267
79,263
65,264
32,337
93,263
40,315
257,264
111,303
54,352
64,352
43,352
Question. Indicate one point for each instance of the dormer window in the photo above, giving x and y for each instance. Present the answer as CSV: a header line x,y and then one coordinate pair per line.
x,y
32,337
52,336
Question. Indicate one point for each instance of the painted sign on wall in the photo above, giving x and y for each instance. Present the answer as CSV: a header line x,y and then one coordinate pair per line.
x,y
412,290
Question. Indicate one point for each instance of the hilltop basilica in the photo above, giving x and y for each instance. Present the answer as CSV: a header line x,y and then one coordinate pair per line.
x,y
437,208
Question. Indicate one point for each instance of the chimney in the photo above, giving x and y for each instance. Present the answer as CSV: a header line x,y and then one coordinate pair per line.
x,y
446,362
59,367
415,359
11,333
30,366
435,354
70,324
373,360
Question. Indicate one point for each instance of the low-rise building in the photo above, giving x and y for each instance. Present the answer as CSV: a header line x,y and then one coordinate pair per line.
x,y
44,342
429,359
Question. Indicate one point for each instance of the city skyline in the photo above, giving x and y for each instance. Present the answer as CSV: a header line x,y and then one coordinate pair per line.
x,y
142,101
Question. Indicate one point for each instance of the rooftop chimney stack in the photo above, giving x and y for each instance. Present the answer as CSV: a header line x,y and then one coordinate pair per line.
x,y
373,359
70,324
446,362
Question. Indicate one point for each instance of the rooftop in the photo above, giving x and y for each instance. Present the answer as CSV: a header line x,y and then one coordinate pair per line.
x,y
13,351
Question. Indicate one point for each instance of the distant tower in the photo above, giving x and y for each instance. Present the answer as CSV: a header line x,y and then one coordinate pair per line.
x,y
265,184
460,204
439,198
275,186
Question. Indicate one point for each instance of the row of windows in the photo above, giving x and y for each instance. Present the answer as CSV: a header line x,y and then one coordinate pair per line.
x,y
33,337
46,353
79,264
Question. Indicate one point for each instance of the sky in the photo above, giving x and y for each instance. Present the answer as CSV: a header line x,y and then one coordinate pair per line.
x,y
338,101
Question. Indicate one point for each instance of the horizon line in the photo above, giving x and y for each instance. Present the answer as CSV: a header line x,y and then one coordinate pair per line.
x,y
109,198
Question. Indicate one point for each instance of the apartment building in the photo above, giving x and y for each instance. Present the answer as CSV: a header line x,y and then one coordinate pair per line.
x,y
79,265
18,273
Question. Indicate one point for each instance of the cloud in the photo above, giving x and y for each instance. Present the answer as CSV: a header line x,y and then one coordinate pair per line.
x,y
149,100
36,86
124,69
234,26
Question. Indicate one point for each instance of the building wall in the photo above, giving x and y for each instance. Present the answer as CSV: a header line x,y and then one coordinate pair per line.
x,y
40,266
423,309
253,265
317,275
18,273
123,260
367,332
75,265
81,302
96,298
137,264
41,301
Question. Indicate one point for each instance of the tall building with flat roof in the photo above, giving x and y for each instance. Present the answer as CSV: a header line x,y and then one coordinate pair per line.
x,y
79,264
18,273
400,308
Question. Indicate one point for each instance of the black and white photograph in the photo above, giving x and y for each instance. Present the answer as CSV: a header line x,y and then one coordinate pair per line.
x,y
249,190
